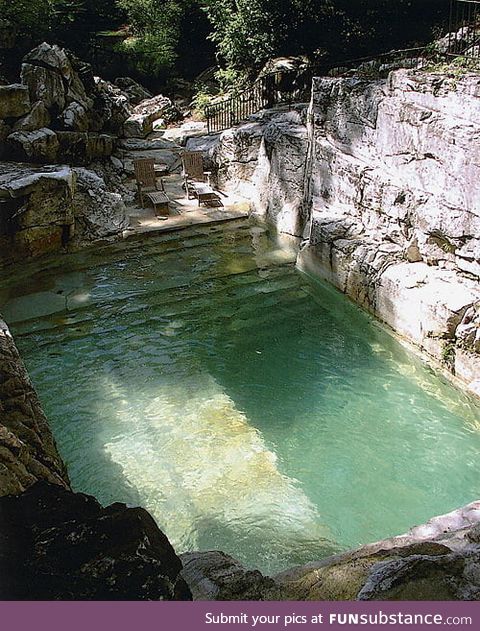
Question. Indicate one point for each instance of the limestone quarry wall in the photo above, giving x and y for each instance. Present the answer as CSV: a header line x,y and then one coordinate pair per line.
x,y
380,180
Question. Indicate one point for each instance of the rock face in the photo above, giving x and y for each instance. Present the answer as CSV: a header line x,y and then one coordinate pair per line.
x,y
36,209
59,545
27,450
394,206
50,208
14,100
379,179
99,214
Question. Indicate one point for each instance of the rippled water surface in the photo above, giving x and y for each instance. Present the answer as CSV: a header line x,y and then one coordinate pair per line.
x,y
249,408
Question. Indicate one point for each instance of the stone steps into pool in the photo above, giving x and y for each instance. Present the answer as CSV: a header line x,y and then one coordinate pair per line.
x,y
278,288
198,265
32,273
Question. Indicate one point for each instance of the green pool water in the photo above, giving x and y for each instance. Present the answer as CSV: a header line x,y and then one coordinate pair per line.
x,y
248,407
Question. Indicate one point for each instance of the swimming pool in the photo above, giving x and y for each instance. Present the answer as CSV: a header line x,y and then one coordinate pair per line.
x,y
248,407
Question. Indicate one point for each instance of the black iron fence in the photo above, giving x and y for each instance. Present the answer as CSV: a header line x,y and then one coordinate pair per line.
x,y
292,86
464,30
267,91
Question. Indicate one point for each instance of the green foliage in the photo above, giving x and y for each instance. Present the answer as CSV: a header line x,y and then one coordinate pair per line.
x,y
228,78
26,16
203,97
248,32
150,53
448,353
158,27
454,68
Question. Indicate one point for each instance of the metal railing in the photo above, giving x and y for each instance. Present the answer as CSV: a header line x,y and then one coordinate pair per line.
x,y
267,91
285,87
464,29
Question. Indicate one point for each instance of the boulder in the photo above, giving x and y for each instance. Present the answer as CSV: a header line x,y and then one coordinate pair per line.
x,y
36,209
135,92
5,131
37,118
74,117
112,107
218,576
45,85
140,123
137,126
159,107
39,146
182,134
81,148
59,545
55,60
14,101
99,213
52,57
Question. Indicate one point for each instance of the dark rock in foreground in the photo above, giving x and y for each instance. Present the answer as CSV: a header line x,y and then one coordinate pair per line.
x,y
217,576
59,545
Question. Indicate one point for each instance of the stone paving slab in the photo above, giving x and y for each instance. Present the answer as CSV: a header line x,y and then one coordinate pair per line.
x,y
183,212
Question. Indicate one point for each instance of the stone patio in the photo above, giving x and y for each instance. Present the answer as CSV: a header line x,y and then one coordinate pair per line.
x,y
183,212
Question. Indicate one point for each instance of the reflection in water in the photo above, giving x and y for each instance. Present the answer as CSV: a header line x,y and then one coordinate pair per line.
x,y
249,409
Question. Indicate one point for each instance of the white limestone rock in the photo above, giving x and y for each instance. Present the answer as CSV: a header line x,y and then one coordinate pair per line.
x,y
381,180
37,205
99,214
140,123
50,56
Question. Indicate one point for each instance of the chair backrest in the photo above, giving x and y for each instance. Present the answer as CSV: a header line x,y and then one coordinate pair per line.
x,y
193,165
145,171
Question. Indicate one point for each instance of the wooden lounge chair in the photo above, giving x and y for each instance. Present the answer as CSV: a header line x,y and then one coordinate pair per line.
x,y
147,179
197,181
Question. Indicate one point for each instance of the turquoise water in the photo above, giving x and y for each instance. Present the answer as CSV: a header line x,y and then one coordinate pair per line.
x,y
248,407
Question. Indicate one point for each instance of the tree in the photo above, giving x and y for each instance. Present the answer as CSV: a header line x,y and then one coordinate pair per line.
x,y
248,32
159,29
27,16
